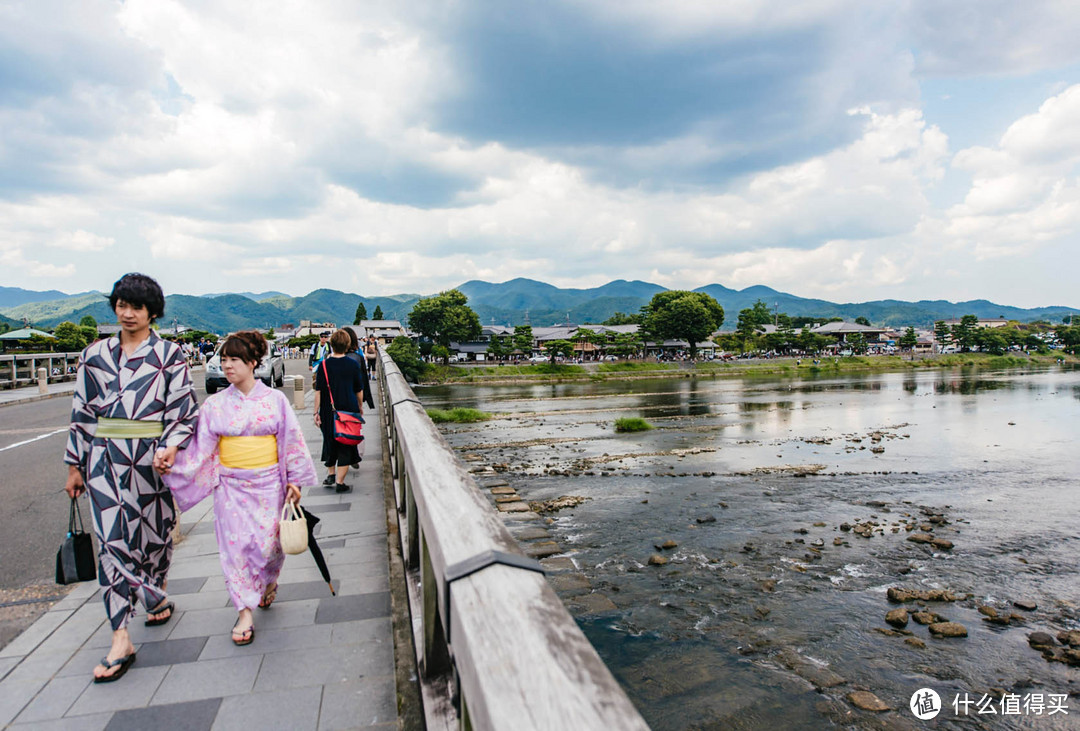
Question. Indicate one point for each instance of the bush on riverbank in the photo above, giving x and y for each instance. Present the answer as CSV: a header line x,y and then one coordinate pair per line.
x,y
458,416
632,424
624,366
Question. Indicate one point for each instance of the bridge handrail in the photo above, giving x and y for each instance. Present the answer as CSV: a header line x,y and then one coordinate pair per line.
x,y
21,368
484,617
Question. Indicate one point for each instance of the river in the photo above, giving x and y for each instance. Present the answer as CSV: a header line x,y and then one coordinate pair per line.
x,y
769,610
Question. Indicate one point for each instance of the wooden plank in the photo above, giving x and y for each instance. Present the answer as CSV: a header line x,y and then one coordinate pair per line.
x,y
524,663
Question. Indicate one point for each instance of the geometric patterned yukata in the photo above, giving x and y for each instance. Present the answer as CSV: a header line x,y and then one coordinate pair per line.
x,y
132,509
247,502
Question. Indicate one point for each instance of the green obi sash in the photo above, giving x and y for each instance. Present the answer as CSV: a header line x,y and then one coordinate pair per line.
x,y
128,429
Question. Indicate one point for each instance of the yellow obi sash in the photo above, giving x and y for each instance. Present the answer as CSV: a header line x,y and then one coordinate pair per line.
x,y
248,453
128,428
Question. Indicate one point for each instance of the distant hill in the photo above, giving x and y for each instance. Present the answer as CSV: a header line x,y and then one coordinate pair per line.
x,y
509,303
258,297
15,296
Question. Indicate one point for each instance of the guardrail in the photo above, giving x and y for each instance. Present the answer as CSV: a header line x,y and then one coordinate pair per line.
x,y
21,370
490,632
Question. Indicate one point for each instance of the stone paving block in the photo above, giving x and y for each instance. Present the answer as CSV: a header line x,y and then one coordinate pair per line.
x,y
204,622
288,614
208,679
361,703
35,634
202,566
15,695
202,600
323,665
326,545
191,716
268,641
349,608
361,631
332,508
134,690
6,664
41,666
186,586
92,722
302,590
170,652
296,709
363,585
54,699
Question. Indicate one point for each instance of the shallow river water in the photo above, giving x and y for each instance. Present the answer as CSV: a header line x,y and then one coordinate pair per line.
x,y
767,614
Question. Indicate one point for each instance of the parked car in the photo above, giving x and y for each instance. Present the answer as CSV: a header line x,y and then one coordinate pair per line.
x,y
271,370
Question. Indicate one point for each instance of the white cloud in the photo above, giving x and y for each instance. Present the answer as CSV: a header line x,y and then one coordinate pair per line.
x,y
82,241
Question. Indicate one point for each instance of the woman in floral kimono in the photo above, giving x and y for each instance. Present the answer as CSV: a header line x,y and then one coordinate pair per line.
x,y
250,453
133,408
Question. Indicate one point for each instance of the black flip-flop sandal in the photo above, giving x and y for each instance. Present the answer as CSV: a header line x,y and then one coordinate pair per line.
x,y
167,607
269,596
123,662
241,642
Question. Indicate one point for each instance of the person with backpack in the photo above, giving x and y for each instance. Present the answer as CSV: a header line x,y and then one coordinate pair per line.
x,y
319,350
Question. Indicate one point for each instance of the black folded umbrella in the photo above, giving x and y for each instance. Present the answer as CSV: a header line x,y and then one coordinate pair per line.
x,y
316,552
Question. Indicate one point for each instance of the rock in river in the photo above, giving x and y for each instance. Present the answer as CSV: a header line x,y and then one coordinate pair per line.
x,y
657,560
948,629
1026,604
897,617
1040,639
867,701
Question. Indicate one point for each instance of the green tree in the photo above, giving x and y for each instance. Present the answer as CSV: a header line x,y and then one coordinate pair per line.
x,y
626,345
857,343
361,313
378,315
555,348
90,334
500,347
682,315
909,339
404,352
523,339
69,338
862,321
88,321
1069,338
942,333
584,335
621,318
444,318
964,332
992,340
751,318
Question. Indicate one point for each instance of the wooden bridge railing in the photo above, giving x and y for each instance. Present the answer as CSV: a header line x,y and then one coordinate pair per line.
x,y
496,648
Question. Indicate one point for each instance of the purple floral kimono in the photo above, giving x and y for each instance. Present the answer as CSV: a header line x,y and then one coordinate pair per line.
x,y
247,502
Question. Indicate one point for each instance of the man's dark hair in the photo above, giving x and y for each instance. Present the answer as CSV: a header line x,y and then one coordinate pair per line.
x,y
139,289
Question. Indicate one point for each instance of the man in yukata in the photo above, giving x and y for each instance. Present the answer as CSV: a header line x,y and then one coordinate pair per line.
x,y
133,408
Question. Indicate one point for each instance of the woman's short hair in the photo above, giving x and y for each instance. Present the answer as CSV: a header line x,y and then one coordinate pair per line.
x,y
247,345
339,341
141,291
354,342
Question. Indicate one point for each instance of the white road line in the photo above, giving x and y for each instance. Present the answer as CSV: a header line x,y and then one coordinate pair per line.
x,y
43,436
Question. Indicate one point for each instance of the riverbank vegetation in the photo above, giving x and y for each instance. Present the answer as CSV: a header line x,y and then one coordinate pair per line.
x,y
542,372
458,416
632,424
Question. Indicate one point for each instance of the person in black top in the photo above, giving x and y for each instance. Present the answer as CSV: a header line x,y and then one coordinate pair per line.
x,y
342,377
354,354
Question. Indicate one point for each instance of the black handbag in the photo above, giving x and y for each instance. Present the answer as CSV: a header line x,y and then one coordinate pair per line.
x,y
75,561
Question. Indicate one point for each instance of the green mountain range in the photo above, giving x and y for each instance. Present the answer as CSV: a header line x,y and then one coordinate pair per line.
x,y
508,303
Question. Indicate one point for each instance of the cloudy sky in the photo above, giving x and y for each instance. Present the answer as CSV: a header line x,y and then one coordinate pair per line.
x,y
828,148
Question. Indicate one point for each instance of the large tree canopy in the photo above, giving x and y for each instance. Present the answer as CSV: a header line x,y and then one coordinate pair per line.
x,y
681,315
444,318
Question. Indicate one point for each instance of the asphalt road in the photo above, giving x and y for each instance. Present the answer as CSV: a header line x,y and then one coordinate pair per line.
x,y
34,506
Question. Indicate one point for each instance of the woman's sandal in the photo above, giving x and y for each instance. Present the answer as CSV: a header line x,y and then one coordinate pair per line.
x,y
123,662
165,606
246,637
268,597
